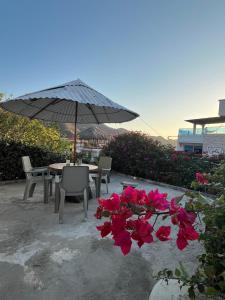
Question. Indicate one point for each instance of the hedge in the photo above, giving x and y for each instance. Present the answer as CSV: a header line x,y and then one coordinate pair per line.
x,y
11,163
138,155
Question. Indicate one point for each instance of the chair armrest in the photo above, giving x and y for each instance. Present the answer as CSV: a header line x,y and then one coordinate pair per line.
x,y
39,170
43,167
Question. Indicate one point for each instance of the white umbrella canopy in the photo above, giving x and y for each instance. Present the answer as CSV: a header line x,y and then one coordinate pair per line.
x,y
72,102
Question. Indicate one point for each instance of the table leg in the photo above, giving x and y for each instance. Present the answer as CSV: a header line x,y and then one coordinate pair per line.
x,y
98,180
46,186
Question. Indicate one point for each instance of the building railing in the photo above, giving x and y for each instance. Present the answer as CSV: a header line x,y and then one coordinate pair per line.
x,y
206,130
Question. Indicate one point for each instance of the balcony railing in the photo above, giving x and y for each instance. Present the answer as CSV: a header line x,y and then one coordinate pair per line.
x,y
206,130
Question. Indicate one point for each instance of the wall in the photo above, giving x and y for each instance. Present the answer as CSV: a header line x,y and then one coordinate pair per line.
x,y
214,144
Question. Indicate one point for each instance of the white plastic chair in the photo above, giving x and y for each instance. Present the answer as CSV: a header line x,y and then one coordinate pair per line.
x,y
104,168
34,176
75,182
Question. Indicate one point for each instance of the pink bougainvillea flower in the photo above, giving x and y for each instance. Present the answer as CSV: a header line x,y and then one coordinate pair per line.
x,y
111,204
123,240
190,233
174,207
158,200
174,210
185,217
141,197
105,229
163,233
201,178
181,241
179,215
129,195
142,232
187,158
174,156
134,196
125,212
174,220
185,234
118,224
124,227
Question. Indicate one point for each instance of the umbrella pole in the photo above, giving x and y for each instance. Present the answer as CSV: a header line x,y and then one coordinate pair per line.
x,y
75,135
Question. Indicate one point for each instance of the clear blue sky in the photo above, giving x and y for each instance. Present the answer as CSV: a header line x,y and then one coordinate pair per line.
x,y
163,59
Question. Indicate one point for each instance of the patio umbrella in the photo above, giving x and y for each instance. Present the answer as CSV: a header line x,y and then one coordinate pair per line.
x,y
72,102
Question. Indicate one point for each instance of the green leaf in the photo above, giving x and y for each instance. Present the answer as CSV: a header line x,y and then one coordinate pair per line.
x,y
169,273
223,275
221,284
201,288
105,214
179,198
183,271
209,271
211,291
191,293
177,272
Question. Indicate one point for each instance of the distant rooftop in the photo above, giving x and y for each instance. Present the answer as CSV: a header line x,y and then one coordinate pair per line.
x,y
210,120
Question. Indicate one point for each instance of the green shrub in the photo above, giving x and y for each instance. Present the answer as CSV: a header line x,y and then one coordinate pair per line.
x,y
215,181
209,277
10,158
31,132
138,155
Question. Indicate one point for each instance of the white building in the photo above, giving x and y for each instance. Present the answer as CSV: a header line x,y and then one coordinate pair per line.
x,y
203,137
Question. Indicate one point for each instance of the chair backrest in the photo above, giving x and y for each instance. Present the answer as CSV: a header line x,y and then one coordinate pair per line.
x,y
105,162
75,178
27,167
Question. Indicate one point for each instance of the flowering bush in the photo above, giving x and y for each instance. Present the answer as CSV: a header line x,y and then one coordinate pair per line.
x,y
133,215
201,178
209,277
213,182
139,155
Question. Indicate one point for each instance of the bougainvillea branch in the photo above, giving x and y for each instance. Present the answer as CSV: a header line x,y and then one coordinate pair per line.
x,y
130,214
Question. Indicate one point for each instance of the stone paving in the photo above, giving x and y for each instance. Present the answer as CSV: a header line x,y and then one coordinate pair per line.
x,y
41,259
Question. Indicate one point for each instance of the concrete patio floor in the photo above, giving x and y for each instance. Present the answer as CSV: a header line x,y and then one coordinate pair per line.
x,y
40,259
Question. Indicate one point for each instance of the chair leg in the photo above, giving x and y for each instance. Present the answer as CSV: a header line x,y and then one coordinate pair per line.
x,y
27,189
85,204
51,188
57,197
32,188
61,205
98,181
46,188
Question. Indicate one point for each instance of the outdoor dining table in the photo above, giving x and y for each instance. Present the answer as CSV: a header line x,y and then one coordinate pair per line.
x,y
57,170
58,167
